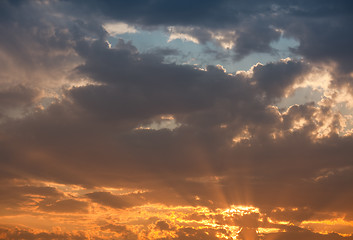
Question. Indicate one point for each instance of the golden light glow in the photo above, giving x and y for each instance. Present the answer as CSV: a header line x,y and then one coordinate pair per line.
x,y
241,210
162,122
156,120
298,124
338,225
243,136
149,221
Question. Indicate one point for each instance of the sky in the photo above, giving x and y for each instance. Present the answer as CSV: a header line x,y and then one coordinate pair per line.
x,y
175,119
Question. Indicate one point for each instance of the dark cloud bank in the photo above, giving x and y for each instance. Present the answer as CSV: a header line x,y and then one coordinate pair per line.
x,y
91,136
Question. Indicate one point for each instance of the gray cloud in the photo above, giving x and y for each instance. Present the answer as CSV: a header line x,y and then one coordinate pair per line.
x,y
17,100
257,24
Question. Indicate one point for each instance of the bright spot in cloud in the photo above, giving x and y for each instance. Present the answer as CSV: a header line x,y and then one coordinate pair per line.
x,y
117,28
163,122
243,136
176,33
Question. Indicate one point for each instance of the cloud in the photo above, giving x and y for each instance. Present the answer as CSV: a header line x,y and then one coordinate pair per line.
x,y
252,34
76,111
14,196
17,100
125,233
315,44
276,79
162,225
304,234
248,233
256,25
201,102
28,235
117,28
114,201
65,206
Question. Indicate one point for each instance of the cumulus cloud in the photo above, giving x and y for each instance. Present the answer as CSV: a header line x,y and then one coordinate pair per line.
x,y
76,111
200,101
